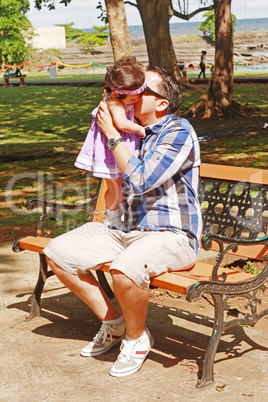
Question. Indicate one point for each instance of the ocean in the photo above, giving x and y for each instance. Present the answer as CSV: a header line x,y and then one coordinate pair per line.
x,y
185,28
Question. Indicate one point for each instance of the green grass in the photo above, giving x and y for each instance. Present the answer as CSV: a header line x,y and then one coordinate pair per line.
x,y
35,119
42,130
90,76
65,76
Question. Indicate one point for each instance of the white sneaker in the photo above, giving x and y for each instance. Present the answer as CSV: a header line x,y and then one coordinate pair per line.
x,y
133,354
106,338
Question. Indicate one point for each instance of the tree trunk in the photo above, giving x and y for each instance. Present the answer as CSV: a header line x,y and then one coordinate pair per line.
x,y
218,100
120,37
155,17
224,75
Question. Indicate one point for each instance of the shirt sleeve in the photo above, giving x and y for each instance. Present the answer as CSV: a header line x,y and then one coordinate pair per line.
x,y
172,153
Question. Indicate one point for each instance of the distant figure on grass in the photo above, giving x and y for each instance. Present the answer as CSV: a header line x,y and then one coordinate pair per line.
x,y
124,84
212,69
16,74
202,64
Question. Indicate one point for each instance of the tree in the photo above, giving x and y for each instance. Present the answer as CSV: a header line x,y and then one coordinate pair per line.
x,y
50,4
209,24
155,15
116,16
14,31
120,37
90,39
218,100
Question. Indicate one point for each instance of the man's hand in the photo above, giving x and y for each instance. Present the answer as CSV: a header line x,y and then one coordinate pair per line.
x,y
105,122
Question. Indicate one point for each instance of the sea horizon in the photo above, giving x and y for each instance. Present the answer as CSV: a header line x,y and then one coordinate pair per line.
x,y
186,28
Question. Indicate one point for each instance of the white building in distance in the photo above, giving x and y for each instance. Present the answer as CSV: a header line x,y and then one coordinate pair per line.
x,y
48,38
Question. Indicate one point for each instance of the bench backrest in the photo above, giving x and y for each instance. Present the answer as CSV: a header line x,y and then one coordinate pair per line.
x,y
234,203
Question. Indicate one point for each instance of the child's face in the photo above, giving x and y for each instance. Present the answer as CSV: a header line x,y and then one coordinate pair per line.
x,y
130,99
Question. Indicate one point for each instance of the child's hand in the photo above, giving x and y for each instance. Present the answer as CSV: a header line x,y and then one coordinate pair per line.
x,y
141,133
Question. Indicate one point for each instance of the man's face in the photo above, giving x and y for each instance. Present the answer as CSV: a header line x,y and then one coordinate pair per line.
x,y
146,106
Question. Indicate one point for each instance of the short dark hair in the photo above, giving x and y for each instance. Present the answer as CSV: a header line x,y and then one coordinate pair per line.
x,y
126,73
169,88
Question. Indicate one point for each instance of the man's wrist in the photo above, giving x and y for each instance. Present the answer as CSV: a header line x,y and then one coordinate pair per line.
x,y
113,142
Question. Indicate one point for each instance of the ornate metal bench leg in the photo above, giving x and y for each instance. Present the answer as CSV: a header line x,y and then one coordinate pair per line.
x,y
104,284
36,296
208,365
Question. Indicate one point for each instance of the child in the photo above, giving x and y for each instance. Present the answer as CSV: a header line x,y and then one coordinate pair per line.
x,y
124,84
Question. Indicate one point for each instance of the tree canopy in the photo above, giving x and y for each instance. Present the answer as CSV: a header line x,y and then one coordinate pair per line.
x,y
209,24
50,4
90,39
14,29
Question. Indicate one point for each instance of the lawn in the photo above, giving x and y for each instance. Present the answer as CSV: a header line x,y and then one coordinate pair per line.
x,y
43,128
63,75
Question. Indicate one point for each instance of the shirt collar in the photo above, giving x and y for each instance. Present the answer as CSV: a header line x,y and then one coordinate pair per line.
x,y
154,128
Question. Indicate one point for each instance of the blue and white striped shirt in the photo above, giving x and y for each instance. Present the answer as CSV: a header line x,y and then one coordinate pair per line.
x,y
162,183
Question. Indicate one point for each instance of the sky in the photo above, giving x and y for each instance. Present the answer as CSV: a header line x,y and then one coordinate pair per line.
x,y
83,13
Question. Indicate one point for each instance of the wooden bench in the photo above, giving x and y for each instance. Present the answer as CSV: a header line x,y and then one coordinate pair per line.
x,y
234,205
22,80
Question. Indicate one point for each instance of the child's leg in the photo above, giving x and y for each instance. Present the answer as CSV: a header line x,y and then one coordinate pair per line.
x,y
113,198
113,194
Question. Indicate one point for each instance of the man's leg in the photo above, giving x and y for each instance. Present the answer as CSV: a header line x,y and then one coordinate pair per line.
x,y
138,342
87,288
133,301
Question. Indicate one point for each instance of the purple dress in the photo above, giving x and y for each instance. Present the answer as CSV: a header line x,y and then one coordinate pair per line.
x,y
96,157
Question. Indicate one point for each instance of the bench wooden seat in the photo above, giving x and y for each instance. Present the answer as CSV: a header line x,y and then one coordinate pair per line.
x,y
22,80
234,205
178,282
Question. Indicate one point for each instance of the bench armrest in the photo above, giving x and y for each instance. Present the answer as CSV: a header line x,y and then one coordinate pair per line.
x,y
227,289
226,244
209,237
49,208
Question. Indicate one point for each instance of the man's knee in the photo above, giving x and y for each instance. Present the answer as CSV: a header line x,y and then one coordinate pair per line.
x,y
120,280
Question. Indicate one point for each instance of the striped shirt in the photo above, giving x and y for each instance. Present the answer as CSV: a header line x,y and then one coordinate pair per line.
x,y
162,183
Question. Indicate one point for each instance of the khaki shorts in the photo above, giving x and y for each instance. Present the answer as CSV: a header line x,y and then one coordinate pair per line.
x,y
138,255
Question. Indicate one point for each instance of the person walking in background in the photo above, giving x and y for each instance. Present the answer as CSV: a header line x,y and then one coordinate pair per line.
x,y
202,64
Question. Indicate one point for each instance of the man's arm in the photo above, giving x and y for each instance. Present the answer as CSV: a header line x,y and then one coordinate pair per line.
x,y
173,153
105,122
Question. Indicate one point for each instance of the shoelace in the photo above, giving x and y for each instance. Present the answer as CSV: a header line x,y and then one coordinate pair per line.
x,y
127,348
103,333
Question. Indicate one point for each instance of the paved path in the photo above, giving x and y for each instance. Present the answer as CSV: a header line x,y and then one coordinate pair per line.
x,y
100,83
40,359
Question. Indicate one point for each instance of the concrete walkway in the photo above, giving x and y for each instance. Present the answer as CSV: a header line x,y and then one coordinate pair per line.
x,y
100,83
40,359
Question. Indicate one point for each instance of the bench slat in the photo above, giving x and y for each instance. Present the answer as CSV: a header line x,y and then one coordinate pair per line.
x,y
234,173
179,281
33,243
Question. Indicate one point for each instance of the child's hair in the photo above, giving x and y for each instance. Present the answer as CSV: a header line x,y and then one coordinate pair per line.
x,y
125,74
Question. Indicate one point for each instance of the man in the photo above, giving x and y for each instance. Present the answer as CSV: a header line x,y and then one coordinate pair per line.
x,y
162,232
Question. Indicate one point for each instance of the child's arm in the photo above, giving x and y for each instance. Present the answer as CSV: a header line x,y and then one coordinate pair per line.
x,y
120,120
